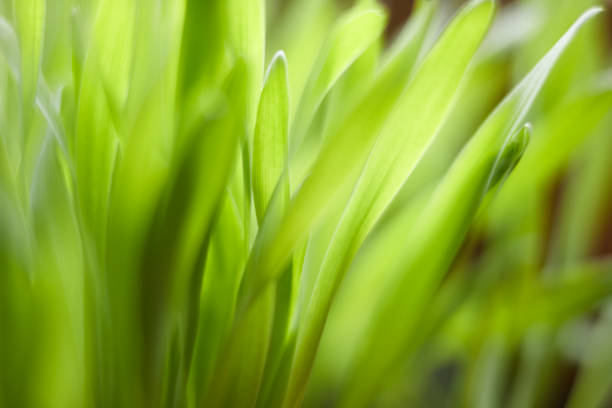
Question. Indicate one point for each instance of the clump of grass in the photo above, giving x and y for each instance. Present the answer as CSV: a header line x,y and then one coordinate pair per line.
x,y
233,203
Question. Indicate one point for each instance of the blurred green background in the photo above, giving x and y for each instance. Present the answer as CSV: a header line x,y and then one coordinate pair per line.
x,y
281,203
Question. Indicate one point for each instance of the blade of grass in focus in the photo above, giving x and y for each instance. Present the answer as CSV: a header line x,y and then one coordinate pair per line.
x,y
270,147
471,25
504,119
350,37
180,226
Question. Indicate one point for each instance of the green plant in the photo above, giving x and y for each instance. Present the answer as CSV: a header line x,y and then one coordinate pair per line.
x,y
180,227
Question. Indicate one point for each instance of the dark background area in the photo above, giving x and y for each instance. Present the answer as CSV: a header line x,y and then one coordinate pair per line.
x,y
400,11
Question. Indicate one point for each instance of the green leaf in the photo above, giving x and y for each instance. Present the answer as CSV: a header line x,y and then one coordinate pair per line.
x,y
10,47
247,37
578,64
96,144
44,98
440,228
301,32
30,16
392,159
112,48
352,35
139,181
341,100
59,277
435,234
329,178
201,68
240,367
171,271
222,273
560,133
270,140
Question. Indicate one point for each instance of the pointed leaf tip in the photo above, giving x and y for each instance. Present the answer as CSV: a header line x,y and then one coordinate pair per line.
x,y
270,138
510,155
279,57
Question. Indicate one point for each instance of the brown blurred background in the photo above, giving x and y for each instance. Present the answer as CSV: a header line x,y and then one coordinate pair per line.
x,y
400,11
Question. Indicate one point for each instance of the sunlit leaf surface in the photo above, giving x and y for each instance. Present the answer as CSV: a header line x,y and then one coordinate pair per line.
x,y
319,203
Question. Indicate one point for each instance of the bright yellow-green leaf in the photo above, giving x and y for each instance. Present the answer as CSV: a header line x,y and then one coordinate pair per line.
x,y
270,140
439,229
30,16
427,85
352,35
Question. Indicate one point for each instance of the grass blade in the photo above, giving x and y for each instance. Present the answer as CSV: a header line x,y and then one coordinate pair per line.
x,y
30,16
270,140
329,177
489,138
469,26
350,38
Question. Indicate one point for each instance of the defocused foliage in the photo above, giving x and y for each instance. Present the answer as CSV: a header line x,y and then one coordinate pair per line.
x,y
251,203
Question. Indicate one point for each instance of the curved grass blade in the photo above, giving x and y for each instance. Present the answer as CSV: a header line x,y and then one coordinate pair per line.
x,y
352,35
217,299
399,60
59,278
246,35
201,68
301,33
435,235
43,96
112,46
239,372
351,139
30,16
172,269
95,150
561,133
397,65
445,229
138,185
10,47
458,44
270,139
